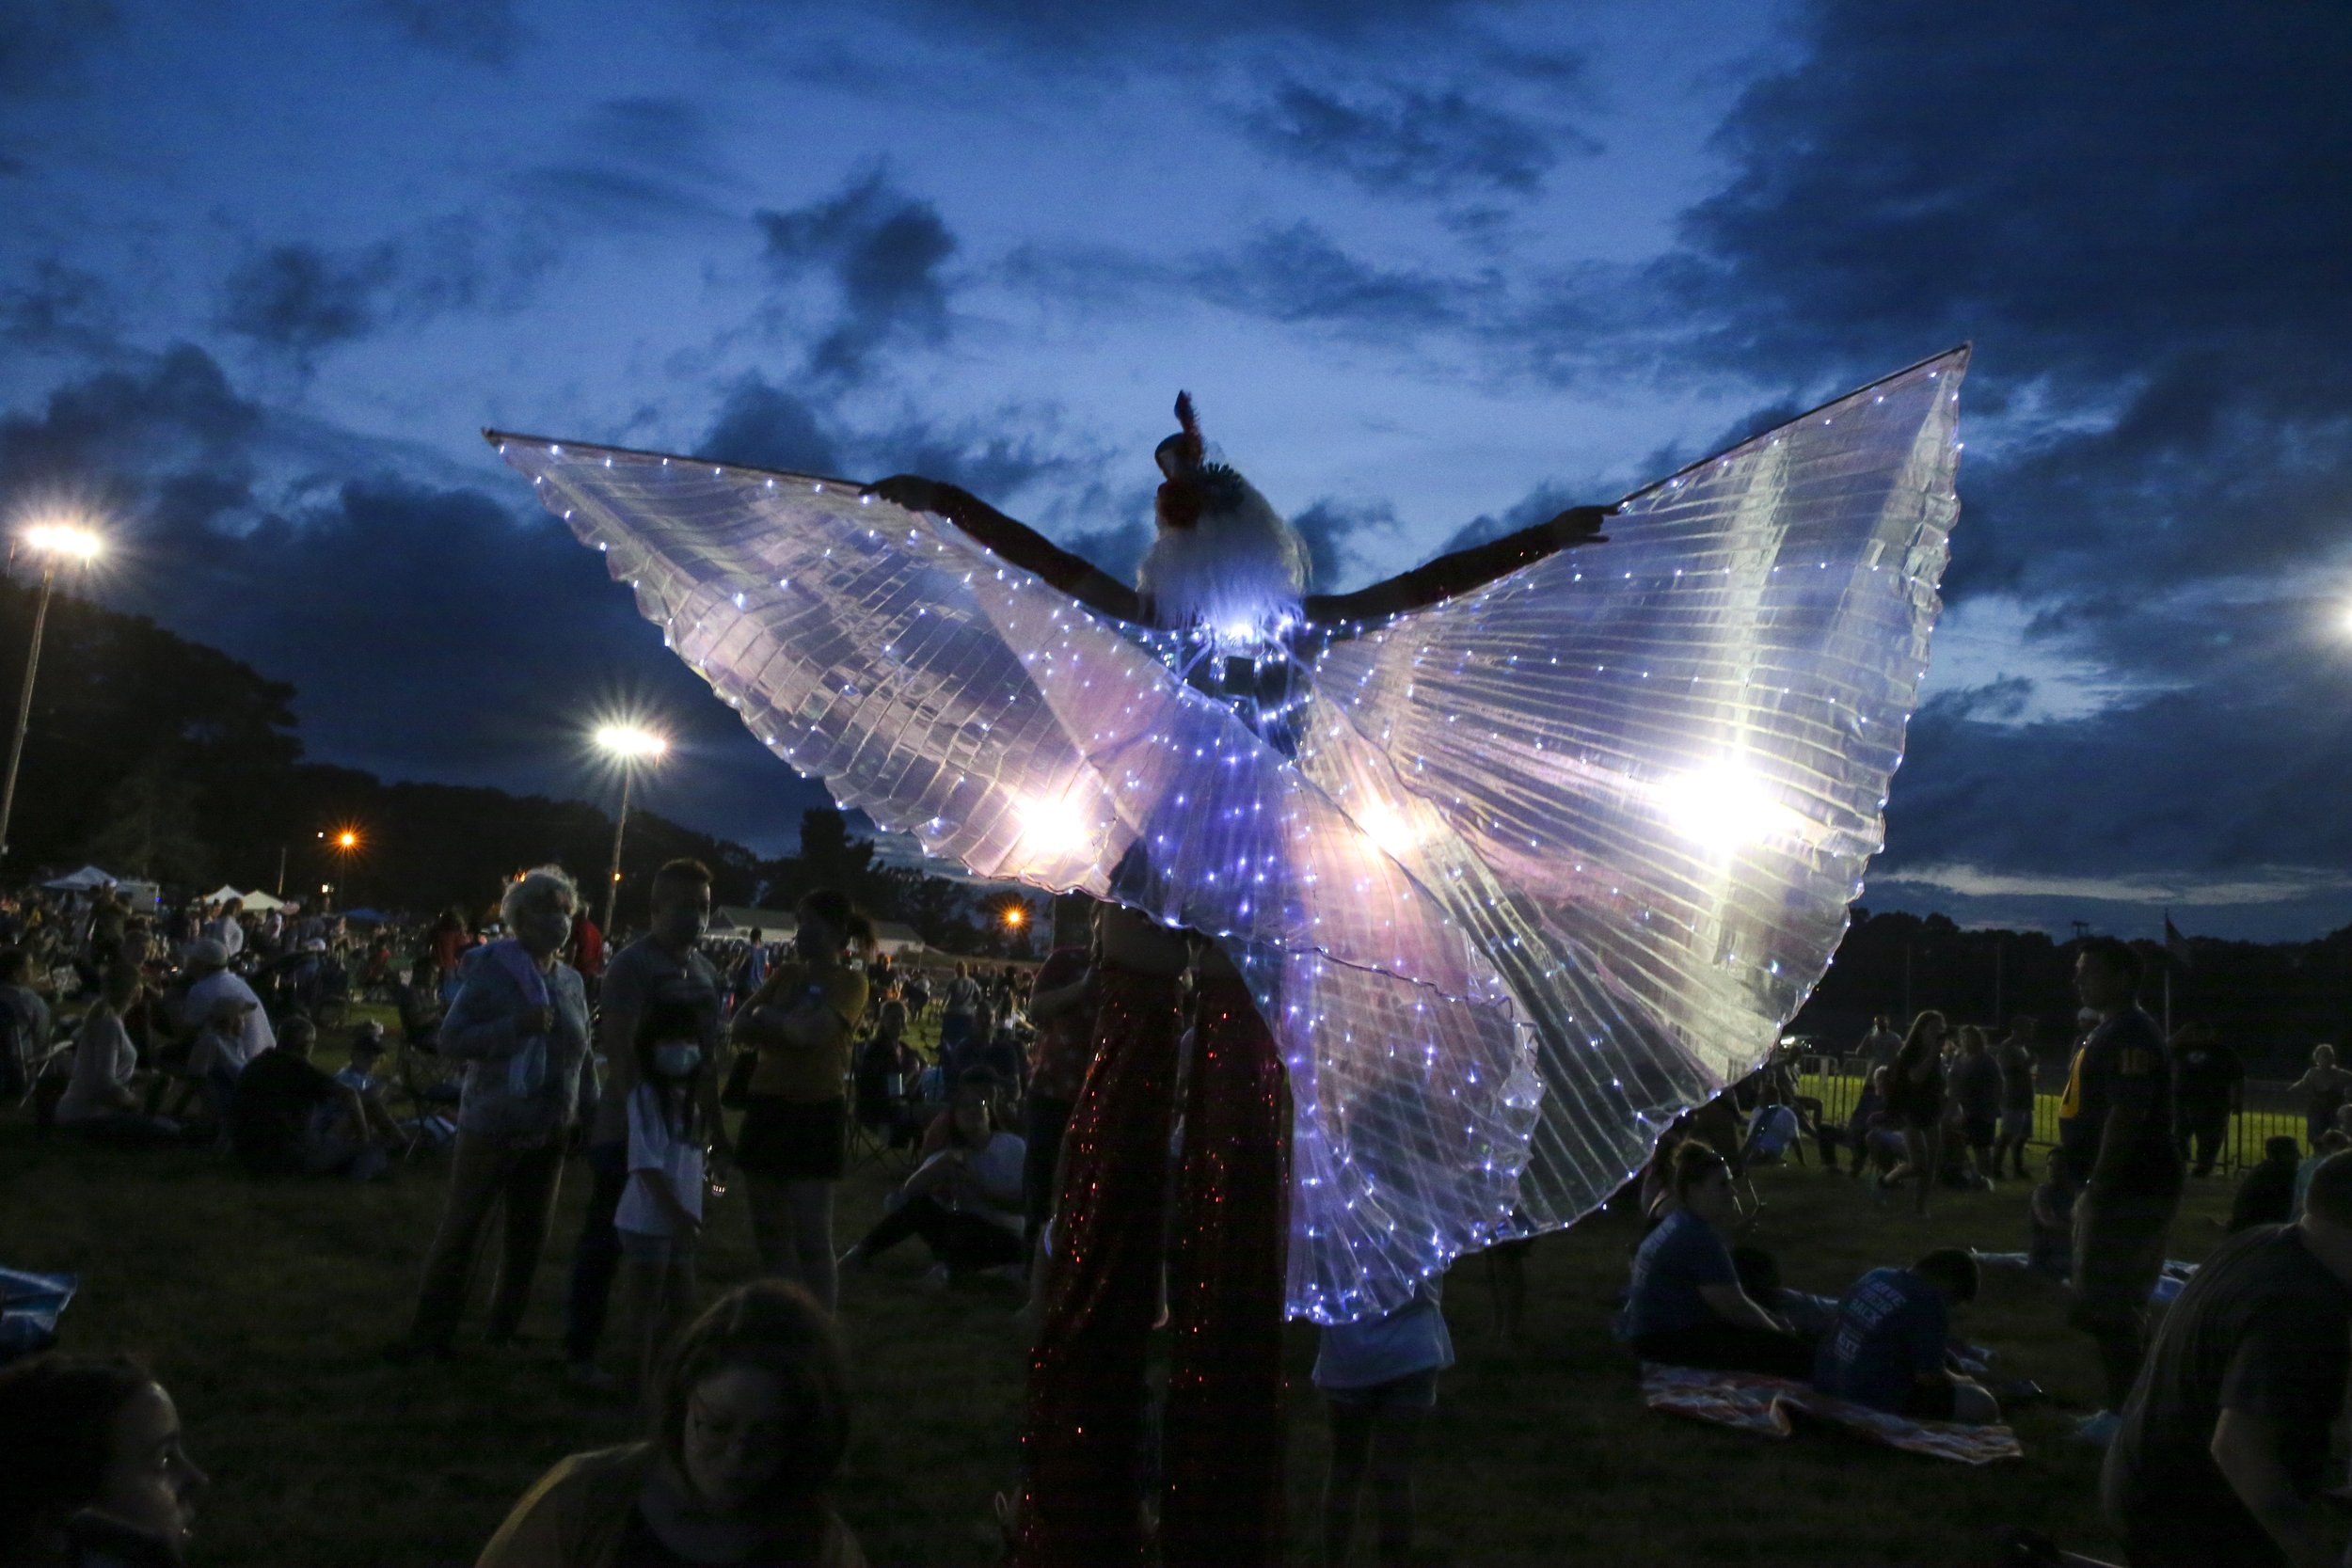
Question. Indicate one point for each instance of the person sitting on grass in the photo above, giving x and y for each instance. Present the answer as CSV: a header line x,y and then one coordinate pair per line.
x,y
964,1201
659,1216
1379,1380
1887,1347
2221,1459
274,1120
751,1420
422,1008
1687,1307
96,1471
2050,1247
2335,1140
102,1098
2267,1194
358,1075
1772,1130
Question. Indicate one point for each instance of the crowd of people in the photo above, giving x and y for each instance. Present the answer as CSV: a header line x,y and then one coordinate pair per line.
x,y
674,1067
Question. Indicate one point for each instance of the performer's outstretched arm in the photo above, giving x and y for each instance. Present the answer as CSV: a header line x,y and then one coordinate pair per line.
x,y
1017,543
1463,570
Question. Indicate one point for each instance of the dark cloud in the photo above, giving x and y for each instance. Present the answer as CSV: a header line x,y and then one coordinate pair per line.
x,y
1407,141
642,163
482,31
301,299
884,251
1056,30
58,308
1297,274
760,426
1332,529
42,43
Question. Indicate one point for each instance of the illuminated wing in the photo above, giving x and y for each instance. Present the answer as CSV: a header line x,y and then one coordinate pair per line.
x,y
955,697
1647,775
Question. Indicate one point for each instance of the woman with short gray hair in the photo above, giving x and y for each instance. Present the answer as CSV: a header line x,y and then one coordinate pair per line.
x,y
520,1024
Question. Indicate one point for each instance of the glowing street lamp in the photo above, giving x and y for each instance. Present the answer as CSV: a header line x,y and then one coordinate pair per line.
x,y
629,746
55,544
1016,917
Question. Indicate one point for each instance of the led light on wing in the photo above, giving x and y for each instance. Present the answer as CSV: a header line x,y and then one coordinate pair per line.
x,y
1724,807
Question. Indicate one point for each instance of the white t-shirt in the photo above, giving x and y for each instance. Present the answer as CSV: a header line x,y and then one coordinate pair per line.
x,y
654,1144
988,1185
212,1046
102,1061
228,931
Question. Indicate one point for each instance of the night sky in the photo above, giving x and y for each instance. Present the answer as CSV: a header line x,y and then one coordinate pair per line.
x,y
1430,270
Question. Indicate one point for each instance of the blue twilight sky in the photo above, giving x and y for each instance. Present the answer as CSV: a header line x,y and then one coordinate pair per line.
x,y
1429,268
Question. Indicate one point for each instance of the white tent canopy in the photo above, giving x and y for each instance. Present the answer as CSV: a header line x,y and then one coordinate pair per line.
x,y
84,880
259,902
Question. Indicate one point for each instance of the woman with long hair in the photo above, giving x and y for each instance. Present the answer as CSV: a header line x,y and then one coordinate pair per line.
x,y
1915,1093
794,1140
750,1418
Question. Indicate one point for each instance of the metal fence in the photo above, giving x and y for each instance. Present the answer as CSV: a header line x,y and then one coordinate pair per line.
x,y
2263,1109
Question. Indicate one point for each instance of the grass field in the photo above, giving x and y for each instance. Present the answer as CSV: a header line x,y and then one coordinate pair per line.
x,y
264,1305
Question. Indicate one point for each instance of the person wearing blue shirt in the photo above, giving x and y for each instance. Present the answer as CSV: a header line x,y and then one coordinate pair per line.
x,y
1886,1348
1686,1307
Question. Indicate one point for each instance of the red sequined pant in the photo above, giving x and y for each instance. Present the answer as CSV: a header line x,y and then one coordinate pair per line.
x,y
1222,1504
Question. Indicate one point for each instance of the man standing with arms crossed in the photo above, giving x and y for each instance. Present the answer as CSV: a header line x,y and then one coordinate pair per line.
x,y
2114,1123
666,964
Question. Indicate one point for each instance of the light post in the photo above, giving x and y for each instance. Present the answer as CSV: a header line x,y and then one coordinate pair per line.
x,y
345,842
55,544
628,746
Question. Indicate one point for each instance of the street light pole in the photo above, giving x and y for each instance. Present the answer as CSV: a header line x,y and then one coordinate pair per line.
x,y
54,543
620,826
626,746
25,705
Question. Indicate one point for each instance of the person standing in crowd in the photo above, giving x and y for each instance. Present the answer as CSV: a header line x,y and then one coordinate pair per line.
x,y
1915,1093
751,1423
1379,1382
794,1140
1977,1088
24,1020
2221,1455
1889,1345
966,1200
660,1219
751,971
521,1021
2018,1073
1880,1042
959,1004
2323,1089
228,928
447,942
2115,1122
584,950
1686,1307
2207,1075
97,1471
665,966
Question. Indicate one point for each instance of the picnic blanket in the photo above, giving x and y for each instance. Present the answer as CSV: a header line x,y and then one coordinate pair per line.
x,y
1769,1406
29,1307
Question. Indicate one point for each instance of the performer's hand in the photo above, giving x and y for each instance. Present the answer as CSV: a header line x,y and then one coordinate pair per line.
x,y
1581,525
916,494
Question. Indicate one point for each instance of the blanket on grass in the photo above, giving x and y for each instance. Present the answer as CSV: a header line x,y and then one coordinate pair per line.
x,y
1769,1406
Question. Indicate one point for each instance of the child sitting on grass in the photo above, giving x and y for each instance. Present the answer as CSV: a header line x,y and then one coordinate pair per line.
x,y
2050,1250
1380,1379
660,1211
